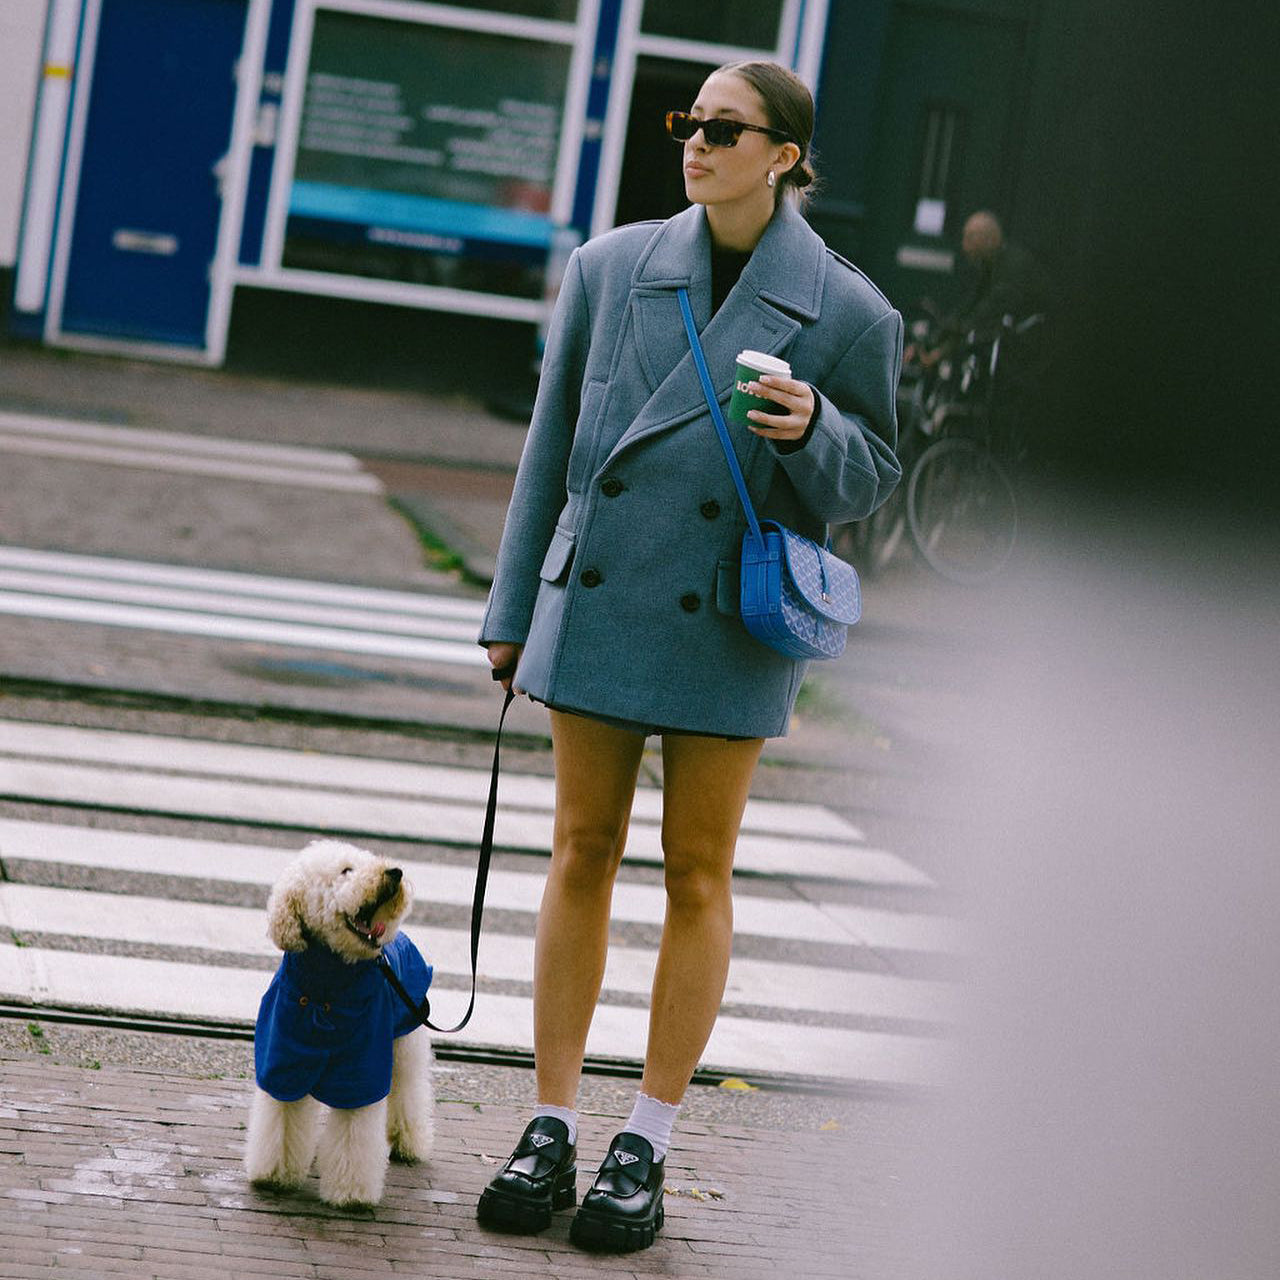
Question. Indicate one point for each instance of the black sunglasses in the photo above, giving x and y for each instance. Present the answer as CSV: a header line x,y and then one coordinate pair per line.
x,y
718,132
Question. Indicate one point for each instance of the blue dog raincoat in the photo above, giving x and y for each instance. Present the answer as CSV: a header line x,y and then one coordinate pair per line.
x,y
325,1027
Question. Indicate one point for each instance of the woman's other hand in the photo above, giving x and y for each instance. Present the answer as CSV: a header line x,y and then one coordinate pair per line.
x,y
795,397
505,657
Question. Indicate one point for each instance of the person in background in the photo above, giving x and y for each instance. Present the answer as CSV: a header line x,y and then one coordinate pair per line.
x,y
1006,280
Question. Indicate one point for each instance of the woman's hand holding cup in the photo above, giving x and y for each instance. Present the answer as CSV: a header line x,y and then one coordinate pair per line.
x,y
795,397
767,399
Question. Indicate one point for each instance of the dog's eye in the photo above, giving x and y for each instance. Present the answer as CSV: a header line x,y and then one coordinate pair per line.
x,y
346,871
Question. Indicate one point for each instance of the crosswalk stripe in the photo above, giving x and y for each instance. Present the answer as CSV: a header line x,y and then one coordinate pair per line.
x,y
791,919
179,442
356,773
503,957
156,460
315,809
228,628
171,451
111,569
26,584
169,989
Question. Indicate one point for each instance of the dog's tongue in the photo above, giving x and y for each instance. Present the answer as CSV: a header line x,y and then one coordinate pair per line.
x,y
378,929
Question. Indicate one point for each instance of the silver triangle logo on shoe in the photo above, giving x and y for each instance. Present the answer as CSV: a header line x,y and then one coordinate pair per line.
x,y
625,1157
541,1139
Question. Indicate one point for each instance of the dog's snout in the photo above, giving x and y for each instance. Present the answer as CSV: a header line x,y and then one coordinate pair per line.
x,y
393,876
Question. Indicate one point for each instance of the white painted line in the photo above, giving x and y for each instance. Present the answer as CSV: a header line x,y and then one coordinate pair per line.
x,y
504,957
164,989
220,604
363,774
154,460
899,931
792,919
242,584
309,809
300,456
292,635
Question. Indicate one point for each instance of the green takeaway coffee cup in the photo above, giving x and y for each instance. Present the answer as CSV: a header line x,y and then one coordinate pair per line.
x,y
751,364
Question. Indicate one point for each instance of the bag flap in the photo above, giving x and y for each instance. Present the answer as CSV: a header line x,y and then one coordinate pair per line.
x,y
829,585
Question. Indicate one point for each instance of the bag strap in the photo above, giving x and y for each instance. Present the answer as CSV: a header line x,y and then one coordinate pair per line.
x,y
717,416
423,1011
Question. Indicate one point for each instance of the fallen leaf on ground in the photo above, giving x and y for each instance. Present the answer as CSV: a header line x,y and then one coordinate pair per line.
x,y
739,1086
830,1126
694,1193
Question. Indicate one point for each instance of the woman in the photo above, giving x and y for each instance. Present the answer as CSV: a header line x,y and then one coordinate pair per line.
x,y
616,588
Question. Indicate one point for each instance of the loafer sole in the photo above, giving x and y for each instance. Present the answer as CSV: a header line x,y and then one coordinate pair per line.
x,y
524,1215
608,1233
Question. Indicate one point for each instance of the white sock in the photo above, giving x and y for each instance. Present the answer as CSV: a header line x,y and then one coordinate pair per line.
x,y
567,1114
653,1120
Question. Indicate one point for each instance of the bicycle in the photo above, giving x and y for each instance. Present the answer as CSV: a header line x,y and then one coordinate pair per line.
x,y
962,507
959,442
872,543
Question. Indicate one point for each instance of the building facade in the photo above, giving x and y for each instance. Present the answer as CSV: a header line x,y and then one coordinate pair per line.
x,y
188,159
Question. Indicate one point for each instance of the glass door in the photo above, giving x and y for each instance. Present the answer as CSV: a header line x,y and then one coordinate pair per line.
x,y
666,49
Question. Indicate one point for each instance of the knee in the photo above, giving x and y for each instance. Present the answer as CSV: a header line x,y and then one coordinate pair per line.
x,y
696,884
587,857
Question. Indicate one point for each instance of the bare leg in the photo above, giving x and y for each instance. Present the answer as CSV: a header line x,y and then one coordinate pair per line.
x,y
705,786
596,768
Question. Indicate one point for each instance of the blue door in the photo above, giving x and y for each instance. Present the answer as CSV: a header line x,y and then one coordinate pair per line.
x,y
148,203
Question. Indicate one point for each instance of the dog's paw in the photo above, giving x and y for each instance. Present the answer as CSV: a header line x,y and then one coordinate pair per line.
x,y
411,1143
357,1204
280,1183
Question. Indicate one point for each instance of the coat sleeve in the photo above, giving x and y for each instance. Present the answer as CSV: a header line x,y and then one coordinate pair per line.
x,y
848,468
539,493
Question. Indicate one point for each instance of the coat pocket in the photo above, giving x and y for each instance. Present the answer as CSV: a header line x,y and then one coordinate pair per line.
x,y
585,434
728,578
555,563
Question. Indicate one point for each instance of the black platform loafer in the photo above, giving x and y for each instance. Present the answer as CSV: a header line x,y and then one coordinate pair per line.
x,y
542,1175
623,1210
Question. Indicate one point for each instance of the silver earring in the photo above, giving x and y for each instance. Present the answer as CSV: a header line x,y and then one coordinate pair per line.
x,y
771,180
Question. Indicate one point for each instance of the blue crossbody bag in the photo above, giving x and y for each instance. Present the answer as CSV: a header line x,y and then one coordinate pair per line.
x,y
795,596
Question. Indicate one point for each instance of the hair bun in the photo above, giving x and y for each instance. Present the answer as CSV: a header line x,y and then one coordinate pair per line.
x,y
801,174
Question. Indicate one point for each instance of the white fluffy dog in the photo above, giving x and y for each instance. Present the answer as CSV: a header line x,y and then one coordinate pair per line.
x,y
331,1032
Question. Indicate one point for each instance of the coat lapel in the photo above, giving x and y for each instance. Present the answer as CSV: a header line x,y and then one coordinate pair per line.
x,y
780,287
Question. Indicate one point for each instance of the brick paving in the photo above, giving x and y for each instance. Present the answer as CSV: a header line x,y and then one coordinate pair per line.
x,y
133,1173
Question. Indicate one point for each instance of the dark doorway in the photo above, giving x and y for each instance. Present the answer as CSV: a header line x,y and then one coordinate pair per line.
x,y
945,124
652,184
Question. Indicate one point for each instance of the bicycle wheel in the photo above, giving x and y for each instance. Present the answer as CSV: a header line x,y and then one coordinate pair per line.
x,y
961,511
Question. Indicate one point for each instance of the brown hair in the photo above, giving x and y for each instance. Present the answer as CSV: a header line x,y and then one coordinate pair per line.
x,y
788,106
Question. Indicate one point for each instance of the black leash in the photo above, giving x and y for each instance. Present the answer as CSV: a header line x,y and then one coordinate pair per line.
x,y
423,1011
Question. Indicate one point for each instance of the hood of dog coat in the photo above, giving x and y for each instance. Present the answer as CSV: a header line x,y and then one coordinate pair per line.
x,y
325,1027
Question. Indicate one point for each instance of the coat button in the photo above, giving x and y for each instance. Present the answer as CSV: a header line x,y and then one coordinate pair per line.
x,y
591,577
690,603
303,1001
710,508
612,487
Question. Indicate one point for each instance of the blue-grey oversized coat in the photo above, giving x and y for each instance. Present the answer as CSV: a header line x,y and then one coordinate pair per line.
x,y
618,564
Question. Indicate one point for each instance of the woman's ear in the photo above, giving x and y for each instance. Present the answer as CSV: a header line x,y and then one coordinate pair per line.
x,y
788,156
284,915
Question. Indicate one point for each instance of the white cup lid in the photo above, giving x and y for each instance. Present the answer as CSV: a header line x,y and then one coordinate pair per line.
x,y
763,363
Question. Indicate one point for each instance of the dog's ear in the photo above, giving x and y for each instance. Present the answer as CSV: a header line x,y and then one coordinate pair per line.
x,y
284,915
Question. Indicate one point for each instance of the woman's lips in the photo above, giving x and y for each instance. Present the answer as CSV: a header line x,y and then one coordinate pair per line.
x,y
696,170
